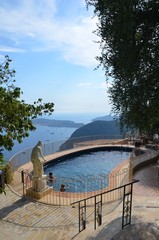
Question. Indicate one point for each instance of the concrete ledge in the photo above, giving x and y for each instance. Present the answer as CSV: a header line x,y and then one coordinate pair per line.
x,y
38,195
149,156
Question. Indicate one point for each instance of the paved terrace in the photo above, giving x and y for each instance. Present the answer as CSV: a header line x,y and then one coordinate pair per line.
x,y
28,220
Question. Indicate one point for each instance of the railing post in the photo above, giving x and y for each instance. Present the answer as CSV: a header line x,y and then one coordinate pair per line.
x,y
98,212
2,179
127,206
82,216
22,176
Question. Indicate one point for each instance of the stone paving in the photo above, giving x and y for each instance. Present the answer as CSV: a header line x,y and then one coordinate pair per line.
x,y
27,220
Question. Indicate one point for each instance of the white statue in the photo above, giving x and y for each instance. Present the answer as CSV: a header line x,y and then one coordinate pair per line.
x,y
37,160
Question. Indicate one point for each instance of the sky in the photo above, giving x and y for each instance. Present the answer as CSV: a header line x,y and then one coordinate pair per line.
x,y
53,49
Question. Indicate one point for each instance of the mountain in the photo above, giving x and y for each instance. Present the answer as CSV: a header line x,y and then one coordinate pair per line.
x,y
56,123
94,130
97,128
104,118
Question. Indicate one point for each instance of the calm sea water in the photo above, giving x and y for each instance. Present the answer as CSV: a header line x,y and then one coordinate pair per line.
x,y
52,134
77,117
42,133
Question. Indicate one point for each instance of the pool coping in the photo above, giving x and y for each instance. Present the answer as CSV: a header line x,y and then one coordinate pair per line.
x,y
123,166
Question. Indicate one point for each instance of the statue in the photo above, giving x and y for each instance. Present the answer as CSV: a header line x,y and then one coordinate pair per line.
x,y
37,160
39,181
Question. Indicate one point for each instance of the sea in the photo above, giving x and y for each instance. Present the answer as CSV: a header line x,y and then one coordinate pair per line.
x,y
51,134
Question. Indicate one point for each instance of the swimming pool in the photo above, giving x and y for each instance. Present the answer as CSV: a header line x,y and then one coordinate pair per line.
x,y
85,172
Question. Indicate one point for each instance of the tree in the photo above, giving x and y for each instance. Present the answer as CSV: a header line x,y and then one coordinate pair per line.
x,y
16,115
129,31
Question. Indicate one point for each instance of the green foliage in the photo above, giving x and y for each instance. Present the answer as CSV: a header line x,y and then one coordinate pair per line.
x,y
2,190
2,166
129,32
98,128
94,130
16,115
8,173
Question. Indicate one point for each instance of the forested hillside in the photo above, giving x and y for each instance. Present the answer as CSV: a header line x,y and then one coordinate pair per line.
x,y
94,130
97,128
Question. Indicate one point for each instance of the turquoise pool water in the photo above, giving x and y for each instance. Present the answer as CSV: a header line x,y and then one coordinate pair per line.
x,y
86,172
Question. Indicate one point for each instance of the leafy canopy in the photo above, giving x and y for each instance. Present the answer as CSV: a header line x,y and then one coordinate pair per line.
x,y
16,115
129,33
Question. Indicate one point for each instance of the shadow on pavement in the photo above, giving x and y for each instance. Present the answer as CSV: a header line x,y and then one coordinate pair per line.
x,y
140,231
10,208
136,231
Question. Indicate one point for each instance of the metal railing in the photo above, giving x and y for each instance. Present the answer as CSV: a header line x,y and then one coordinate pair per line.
x,y
23,184
124,193
94,205
24,156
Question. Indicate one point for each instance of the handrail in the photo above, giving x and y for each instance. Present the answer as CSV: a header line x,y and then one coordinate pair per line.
x,y
102,193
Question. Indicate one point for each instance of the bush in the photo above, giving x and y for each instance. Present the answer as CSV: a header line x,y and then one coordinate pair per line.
x,y
8,174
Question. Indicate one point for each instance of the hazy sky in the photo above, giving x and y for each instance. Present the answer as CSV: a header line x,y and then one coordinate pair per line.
x,y
53,51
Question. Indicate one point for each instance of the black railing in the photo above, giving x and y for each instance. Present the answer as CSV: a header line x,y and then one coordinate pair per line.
x,y
98,199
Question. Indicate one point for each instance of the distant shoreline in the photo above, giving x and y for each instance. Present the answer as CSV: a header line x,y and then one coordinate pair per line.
x,y
57,123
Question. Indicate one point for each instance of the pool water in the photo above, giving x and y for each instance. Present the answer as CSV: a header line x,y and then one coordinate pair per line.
x,y
86,172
